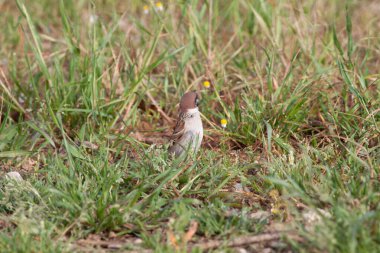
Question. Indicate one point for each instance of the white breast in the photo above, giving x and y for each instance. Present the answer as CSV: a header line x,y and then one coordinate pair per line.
x,y
194,125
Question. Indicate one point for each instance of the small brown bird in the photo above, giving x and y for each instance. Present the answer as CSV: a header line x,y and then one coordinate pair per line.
x,y
188,132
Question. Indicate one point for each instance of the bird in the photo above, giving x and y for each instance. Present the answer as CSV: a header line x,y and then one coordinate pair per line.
x,y
188,132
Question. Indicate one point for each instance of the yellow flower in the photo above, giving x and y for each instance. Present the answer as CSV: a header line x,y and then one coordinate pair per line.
x,y
159,6
223,123
206,84
146,9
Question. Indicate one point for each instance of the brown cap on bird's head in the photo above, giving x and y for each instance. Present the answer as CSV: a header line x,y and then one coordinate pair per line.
x,y
188,101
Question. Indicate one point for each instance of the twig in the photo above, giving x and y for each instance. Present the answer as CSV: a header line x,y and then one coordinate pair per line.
x,y
10,94
244,240
108,244
129,107
159,108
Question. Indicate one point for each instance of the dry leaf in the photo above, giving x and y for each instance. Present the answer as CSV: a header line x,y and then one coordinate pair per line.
x,y
172,239
191,232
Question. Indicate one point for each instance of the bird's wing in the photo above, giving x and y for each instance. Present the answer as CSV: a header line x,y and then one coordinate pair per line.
x,y
183,143
179,129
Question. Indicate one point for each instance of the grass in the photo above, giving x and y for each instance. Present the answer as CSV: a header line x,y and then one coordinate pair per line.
x,y
89,92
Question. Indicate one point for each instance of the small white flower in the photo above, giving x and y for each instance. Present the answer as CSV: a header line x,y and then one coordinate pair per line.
x,y
93,18
159,6
223,123
146,9
206,84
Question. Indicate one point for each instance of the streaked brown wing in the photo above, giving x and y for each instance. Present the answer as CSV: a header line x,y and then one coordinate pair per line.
x,y
178,129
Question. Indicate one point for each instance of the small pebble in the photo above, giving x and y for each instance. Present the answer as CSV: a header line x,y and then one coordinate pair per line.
x,y
14,175
238,187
